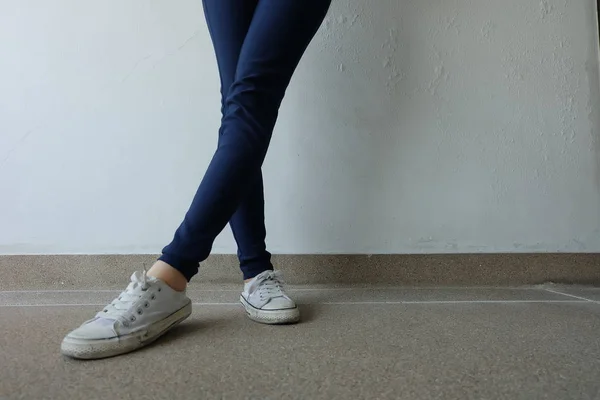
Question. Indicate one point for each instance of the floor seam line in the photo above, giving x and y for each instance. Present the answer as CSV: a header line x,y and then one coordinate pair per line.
x,y
407,302
292,289
571,295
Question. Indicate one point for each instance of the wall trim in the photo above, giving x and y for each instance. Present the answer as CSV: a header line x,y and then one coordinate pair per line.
x,y
31,272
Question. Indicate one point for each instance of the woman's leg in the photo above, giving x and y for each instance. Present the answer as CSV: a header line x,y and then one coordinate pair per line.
x,y
248,227
279,33
228,22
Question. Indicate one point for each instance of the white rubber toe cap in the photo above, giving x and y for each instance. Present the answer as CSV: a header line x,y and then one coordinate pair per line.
x,y
94,330
279,303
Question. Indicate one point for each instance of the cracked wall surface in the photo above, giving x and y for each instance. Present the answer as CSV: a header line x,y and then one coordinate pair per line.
x,y
410,127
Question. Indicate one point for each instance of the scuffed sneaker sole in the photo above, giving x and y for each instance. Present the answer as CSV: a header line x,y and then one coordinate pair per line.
x,y
272,317
102,348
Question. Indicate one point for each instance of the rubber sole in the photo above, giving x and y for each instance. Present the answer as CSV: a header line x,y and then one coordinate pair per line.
x,y
103,348
271,317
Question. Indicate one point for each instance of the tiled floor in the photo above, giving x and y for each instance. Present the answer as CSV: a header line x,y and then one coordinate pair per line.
x,y
353,343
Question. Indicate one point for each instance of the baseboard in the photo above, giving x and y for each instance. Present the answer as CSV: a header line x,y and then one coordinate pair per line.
x,y
28,272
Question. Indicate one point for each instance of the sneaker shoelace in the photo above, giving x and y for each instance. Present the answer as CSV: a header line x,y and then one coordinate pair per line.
x,y
271,286
120,305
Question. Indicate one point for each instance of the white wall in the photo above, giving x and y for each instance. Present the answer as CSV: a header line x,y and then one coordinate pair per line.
x,y
411,126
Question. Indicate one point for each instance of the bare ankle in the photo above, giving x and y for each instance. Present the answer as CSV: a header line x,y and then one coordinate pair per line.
x,y
168,275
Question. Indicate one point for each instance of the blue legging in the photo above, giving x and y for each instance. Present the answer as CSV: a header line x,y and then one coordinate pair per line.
x,y
258,45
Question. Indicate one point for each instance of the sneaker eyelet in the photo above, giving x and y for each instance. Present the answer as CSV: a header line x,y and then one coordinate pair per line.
x,y
159,289
153,297
146,304
132,318
139,311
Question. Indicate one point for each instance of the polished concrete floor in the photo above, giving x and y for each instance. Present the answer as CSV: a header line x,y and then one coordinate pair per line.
x,y
353,343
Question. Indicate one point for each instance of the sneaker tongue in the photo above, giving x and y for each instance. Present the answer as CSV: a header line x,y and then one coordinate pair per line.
x,y
137,277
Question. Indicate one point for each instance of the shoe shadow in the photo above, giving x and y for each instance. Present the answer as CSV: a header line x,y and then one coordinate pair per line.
x,y
183,329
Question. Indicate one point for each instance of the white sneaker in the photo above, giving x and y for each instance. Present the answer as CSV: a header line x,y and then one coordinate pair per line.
x,y
145,310
266,301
